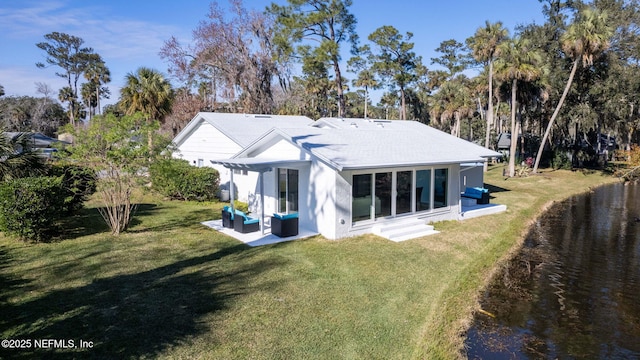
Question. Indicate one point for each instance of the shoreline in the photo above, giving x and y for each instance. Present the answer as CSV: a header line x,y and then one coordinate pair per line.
x,y
460,302
512,253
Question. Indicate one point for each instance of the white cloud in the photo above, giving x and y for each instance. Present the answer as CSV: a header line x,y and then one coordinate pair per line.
x,y
19,81
123,42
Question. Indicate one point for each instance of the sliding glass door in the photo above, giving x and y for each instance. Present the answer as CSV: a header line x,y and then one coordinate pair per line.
x,y
361,197
393,193
288,191
423,190
404,189
383,192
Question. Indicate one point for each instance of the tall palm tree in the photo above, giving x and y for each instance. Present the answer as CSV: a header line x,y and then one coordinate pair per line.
x,y
485,48
367,80
66,94
147,91
454,101
586,37
98,74
361,65
518,62
89,99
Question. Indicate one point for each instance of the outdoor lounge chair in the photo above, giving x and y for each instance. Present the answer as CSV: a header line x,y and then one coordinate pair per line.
x,y
480,194
245,224
227,217
284,225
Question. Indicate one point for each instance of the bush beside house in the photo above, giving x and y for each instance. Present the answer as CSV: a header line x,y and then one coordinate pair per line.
x,y
176,179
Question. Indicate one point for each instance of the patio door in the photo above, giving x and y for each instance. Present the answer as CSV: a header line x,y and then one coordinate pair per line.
x,y
383,194
288,193
404,189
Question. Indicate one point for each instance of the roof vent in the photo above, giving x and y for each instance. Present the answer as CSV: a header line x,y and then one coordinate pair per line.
x,y
262,116
354,125
380,125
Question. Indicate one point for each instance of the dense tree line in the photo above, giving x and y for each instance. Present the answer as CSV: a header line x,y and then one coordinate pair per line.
x,y
25,113
559,84
569,85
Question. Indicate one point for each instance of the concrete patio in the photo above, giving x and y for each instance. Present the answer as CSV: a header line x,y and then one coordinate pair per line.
x,y
256,238
476,210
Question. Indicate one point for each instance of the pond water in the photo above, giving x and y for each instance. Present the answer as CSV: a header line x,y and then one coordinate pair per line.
x,y
573,291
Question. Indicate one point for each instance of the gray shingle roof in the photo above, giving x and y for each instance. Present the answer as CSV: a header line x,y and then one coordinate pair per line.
x,y
243,128
359,144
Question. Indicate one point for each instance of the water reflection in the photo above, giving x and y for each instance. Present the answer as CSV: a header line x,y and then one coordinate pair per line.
x,y
572,291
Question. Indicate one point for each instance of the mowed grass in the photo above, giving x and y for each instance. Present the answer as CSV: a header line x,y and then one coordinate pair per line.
x,y
172,288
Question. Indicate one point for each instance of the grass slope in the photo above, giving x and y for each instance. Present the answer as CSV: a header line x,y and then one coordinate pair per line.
x,y
172,288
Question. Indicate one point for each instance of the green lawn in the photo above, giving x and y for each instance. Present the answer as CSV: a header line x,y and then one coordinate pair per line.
x,y
172,288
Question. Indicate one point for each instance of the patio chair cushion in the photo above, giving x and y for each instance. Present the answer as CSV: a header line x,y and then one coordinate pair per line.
x,y
285,216
478,193
227,217
284,225
247,225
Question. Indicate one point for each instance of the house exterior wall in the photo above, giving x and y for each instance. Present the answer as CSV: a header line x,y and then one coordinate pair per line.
x,y
471,176
343,186
310,181
206,143
322,200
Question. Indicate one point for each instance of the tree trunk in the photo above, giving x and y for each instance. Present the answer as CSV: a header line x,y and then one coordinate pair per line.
x,y
489,115
341,102
366,100
555,114
514,133
403,107
456,127
97,112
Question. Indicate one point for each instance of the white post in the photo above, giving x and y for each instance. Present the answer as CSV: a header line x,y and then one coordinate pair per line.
x,y
261,176
232,191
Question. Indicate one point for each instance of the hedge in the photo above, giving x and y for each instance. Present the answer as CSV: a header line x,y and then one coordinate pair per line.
x,y
78,182
176,179
29,207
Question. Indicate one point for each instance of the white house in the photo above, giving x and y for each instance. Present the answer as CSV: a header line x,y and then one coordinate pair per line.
x,y
346,177
210,136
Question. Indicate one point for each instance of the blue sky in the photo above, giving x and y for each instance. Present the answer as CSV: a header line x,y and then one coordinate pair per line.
x,y
129,34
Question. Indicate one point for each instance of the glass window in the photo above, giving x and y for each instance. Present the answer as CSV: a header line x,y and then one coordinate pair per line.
x,y
383,193
287,190
292,190
423,190
404,189
441,188
361,197
282,190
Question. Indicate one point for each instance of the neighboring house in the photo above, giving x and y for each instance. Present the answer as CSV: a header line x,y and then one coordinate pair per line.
x,y
42,144
346,177
211,136
35,139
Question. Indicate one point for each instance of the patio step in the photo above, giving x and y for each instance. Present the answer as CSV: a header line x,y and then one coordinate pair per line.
x,y
404,230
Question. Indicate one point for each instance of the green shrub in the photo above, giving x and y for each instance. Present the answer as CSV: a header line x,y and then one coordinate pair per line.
x,y
176,179
78,182
561,160
29,207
